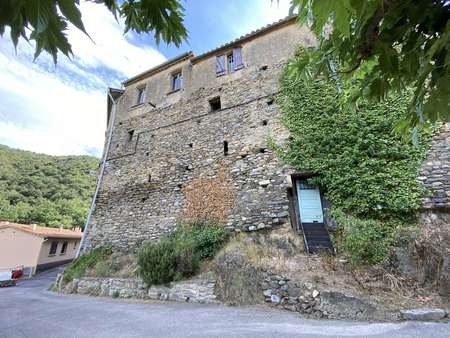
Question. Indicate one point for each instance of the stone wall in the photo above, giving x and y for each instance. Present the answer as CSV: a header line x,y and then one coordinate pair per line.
x,y
143,190
303,297
435,172
425,255
199,290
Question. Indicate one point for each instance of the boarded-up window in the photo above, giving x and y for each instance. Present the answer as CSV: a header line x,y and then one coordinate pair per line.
x,y
220,65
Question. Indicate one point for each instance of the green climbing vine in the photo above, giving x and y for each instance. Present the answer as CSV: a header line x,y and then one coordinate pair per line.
x,y
367,171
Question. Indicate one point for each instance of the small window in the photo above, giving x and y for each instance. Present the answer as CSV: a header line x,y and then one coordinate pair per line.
x,y
177,81
130,135
225,148
215,104
53,248
229,62
64,248
140,95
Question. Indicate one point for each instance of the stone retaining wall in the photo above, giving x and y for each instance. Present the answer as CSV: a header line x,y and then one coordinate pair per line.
x,y
303,297
194,290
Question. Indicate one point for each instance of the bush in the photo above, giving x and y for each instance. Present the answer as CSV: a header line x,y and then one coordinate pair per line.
x,y
157,262
178,255
365,241
208,238
79,266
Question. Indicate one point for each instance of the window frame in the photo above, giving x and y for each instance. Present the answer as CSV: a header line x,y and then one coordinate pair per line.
x,y
223,61
176,75
64,248
140,98
52,252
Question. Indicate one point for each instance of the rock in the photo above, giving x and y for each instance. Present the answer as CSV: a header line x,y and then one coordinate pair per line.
x,y
423,314
339,305
268,292
251,228
275,299
315,293
264,183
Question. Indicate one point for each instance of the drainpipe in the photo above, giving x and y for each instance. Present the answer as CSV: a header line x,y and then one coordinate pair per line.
x,y
100,176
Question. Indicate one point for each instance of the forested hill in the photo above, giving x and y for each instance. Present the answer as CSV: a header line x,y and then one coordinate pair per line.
x,y
46,190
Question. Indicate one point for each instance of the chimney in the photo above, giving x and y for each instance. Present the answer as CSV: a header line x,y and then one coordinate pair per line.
x,y
34,227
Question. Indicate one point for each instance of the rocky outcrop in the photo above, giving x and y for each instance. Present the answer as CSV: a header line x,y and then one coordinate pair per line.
x,y
424,253
303,297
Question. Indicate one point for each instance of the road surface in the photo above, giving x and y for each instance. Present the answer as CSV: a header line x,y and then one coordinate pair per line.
x,y
28,310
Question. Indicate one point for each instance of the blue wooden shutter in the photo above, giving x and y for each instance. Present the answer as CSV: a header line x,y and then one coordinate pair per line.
x,y
220,65
237,56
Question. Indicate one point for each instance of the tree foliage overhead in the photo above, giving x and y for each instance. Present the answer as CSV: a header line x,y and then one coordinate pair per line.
x,y
43,189
385,46
46,21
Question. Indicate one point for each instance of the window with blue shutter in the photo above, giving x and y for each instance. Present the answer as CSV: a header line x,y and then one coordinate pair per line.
x,y
220,65
237,56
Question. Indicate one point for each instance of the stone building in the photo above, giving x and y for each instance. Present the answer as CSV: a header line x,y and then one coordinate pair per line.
x,y
190,139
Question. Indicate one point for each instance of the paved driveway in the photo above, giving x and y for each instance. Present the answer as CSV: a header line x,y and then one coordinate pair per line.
x,y
28,310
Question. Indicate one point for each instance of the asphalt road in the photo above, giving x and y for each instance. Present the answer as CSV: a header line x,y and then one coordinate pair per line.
x,y
28,310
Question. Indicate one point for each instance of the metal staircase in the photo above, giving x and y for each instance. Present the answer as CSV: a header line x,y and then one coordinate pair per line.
x,y
317,238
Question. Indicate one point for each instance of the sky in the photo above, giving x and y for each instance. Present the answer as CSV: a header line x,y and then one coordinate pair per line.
x,y
61,110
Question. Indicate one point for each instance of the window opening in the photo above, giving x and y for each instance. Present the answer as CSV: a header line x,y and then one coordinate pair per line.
x,y
215,104
177,81
140,95
130,135
230,62
225,148
53,248
64,248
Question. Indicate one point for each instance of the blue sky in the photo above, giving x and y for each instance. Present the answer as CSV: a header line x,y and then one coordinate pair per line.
x,y
61,110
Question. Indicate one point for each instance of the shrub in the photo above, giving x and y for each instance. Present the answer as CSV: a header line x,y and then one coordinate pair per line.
x,y
208,238
178,255
157,262
365,241
79,266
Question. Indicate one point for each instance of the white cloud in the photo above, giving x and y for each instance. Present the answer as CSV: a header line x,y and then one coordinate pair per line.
x,y
62,110
110,48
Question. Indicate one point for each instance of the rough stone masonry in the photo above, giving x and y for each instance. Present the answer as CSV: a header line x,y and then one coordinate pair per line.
x,y
199,146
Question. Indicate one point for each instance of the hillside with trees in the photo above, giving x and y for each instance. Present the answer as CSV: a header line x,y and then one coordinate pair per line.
x,y
46,190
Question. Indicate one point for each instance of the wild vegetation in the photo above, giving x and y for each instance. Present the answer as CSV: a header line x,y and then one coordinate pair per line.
x,y
43,189
179,254
368,173
86,261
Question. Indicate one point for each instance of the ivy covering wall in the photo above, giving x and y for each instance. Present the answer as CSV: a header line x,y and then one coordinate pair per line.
x,y
367,171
